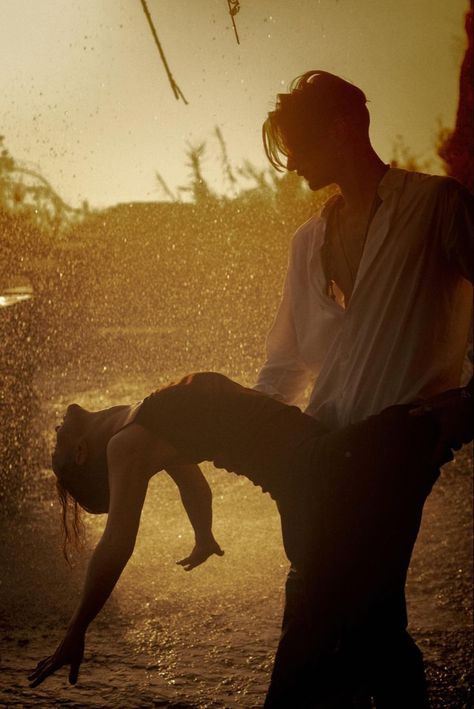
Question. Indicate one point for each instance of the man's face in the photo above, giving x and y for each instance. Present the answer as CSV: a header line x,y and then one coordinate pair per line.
x,y
314,159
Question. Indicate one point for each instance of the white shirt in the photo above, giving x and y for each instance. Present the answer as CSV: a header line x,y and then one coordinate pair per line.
x,y
403,335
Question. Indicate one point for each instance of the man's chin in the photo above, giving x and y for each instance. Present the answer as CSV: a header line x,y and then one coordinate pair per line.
x,y
315,184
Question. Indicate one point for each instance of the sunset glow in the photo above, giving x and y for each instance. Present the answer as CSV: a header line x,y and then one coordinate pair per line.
x,y
86,98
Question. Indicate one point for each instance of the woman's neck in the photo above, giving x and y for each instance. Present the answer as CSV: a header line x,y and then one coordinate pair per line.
x,y
102,425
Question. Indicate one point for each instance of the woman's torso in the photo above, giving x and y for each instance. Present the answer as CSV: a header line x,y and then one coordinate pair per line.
x,y
207,416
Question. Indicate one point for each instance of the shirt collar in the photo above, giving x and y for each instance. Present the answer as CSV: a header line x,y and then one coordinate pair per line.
x,y
329,204
392,181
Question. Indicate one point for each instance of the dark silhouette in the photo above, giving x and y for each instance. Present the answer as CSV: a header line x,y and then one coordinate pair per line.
x,y
375,312
324,484
457,149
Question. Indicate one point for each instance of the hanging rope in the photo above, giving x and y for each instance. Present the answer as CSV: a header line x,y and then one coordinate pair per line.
x,y
174,86
234,7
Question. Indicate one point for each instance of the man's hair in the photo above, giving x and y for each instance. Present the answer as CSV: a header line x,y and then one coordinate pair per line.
x,y
85,486
315,100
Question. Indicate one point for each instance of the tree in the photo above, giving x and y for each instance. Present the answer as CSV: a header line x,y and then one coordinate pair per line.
x,y
456,149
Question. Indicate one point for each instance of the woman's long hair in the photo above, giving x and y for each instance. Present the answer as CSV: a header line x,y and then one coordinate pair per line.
x,y
80,486
71,520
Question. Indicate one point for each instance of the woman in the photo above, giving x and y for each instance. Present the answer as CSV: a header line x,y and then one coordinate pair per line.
x,y
345,533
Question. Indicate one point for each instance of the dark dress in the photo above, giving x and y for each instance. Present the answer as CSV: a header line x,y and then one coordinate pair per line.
x,y
207,416
350,503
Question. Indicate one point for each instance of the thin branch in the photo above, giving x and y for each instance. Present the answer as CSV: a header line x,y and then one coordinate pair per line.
x,y
174,86
46,187
165,188
226,166
234,7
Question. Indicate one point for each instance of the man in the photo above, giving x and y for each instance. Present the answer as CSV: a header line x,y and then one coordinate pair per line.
x,y
375,311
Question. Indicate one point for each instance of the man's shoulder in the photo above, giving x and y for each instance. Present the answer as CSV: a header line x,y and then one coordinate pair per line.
x,y
311,231
421,184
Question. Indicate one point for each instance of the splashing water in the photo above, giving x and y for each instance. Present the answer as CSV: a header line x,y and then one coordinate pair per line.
x,y
141,295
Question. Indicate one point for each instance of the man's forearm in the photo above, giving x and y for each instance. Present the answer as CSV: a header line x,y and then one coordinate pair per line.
x,y
284,382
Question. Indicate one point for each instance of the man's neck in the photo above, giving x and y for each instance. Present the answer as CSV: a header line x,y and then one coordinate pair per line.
x,y
359,181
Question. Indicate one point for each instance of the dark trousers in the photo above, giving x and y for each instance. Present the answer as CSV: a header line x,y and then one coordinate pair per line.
x,y
349,525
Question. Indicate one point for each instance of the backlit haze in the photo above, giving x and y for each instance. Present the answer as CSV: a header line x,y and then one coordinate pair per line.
x,y
87,101
101,309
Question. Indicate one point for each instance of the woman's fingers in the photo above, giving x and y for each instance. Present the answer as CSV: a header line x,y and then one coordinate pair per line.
x,y
39,667
184,562
44,661
69,652
199,555
74,672
43,672
38,681
41,663
189,562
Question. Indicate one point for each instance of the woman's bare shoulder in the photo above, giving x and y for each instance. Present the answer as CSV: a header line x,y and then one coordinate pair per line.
x,y
136,447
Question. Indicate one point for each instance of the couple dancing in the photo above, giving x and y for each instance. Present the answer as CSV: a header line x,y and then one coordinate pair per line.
x,y
376,304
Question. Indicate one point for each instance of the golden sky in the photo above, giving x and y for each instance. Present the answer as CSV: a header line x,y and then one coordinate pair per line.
x,y
86,99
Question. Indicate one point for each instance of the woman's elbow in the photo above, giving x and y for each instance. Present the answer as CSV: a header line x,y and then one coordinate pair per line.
x,y
118,546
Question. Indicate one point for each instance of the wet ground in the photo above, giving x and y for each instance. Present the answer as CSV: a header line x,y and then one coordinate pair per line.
x,y
203,639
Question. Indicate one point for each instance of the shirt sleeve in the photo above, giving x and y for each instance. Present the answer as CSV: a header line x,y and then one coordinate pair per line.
x,y
458,228
284,376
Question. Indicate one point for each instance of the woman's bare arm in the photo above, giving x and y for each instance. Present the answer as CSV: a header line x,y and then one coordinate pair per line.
x,y
128,486
196,497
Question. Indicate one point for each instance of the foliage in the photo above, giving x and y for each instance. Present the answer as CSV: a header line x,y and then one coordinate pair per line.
x,y
455,147
20,442
25,193
245,186
403,157
198,188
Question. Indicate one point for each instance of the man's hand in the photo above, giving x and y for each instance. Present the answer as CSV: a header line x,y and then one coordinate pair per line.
x,y
453,413
69,652
200,553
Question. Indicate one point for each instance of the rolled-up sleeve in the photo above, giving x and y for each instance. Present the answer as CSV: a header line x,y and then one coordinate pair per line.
x,y
284,376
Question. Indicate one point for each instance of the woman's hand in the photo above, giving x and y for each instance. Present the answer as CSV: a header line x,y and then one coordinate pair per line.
x,y
200,553
197,500
69,652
